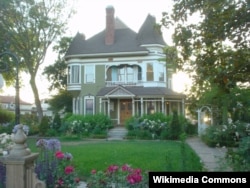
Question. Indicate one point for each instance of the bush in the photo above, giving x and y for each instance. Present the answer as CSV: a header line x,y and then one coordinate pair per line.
x,y
6,116
175,127
86,125
225,135
56,123
157,126
44,126
239,160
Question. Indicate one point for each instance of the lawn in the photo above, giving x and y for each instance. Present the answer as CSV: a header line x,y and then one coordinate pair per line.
x,y
146,155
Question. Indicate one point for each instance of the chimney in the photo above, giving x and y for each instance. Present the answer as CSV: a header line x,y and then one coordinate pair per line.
x,y
110,26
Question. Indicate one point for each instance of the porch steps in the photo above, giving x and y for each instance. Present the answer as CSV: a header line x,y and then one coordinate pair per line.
x,y
117,133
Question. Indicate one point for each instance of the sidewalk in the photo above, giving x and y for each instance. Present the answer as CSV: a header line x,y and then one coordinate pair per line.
x,y
211,157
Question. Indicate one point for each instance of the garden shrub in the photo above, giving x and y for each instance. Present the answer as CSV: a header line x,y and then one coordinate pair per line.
x,y
56,123
158,124
44,126
225,135
86,125
239,159
6,128
175,127
6,116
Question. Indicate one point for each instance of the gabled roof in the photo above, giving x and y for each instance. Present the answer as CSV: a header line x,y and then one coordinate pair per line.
x,y
126,40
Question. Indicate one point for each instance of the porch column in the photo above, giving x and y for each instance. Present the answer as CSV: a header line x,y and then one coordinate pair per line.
x,y
74,106
183,107
100,105
142,110
81,107
162,105
77,105
133,106
108,107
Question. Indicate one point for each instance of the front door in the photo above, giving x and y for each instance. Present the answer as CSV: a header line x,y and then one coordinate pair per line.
x,y
125,110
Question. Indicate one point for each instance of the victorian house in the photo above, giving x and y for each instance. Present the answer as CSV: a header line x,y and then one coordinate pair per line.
x,y
121,73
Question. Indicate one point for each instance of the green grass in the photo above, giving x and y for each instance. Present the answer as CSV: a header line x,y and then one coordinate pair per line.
x,y
147,155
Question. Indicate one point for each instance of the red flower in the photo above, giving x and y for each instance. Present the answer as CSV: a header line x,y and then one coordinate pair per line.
x,y
69,169
59,155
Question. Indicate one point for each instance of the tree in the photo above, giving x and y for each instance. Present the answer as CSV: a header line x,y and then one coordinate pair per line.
x,y
215,47
57,75
32,26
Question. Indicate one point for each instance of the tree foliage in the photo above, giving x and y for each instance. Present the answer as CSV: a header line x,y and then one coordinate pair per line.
x,y
61,102
57,72
32,26
57,75
212,38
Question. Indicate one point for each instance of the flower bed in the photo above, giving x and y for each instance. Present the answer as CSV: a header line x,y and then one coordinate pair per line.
x,y
54,166
116,176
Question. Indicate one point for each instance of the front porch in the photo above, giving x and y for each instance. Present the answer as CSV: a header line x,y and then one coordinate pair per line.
x,y
121,103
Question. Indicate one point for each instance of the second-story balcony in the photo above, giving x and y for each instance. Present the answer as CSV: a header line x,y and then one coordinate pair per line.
x,y
136,83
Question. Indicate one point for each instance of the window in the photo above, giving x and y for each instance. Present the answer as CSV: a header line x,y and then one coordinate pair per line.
x,y
161,68
124,73
89,105
89,73
150,72
150,108
74,74
161,76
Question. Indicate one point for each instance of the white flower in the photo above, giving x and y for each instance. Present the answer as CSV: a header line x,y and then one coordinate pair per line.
x,y
5,153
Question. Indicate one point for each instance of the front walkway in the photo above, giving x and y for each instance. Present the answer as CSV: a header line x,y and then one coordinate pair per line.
x,y
212,158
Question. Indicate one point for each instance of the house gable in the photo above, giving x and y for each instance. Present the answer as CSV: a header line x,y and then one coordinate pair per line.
x,y
119,91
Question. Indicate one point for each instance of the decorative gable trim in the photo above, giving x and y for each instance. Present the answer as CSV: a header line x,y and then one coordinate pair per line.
x,y
119,91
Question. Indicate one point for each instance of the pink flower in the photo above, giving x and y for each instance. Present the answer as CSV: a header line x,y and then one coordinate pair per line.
x,y
59,155
93,171
126,168
134,178
60,182
113,168
69,169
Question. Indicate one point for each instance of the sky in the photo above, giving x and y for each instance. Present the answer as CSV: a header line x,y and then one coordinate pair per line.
x,y
90,19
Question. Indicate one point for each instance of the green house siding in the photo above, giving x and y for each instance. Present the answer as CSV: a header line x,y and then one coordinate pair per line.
x,y
93,88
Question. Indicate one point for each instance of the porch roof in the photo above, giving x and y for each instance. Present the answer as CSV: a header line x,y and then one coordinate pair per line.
x,y
148,92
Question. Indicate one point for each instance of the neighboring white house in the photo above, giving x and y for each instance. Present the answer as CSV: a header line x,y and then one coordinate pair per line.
x,y
8,103
45,106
